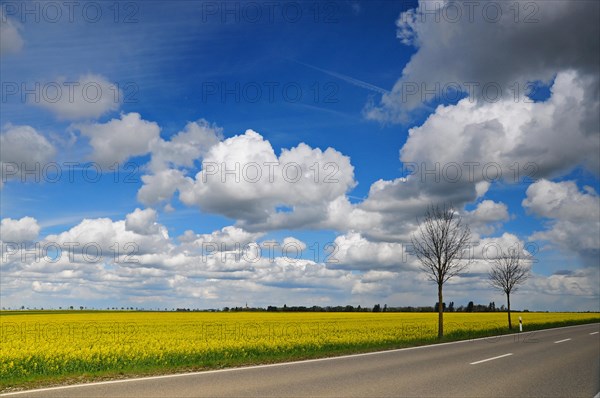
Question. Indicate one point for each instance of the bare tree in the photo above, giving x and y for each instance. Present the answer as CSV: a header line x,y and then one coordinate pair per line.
x,y
438,245
508,271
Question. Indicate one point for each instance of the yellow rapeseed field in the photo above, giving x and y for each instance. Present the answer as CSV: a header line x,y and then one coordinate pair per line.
x,y
50,344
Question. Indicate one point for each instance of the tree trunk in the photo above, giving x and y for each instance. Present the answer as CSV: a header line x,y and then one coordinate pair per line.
x,y
440,313
508,303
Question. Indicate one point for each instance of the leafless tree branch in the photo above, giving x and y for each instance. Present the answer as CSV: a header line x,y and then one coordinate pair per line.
x,y
439,245
507,273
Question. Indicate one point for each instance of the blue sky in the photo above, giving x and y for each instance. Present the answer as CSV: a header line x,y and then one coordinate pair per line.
x,y
361,91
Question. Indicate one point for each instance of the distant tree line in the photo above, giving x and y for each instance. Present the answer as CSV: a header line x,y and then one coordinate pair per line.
x,y
470,307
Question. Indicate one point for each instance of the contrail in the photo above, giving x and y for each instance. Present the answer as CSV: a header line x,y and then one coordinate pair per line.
x,y
348,79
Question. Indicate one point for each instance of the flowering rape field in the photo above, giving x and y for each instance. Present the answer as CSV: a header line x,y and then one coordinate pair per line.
x,y
47,345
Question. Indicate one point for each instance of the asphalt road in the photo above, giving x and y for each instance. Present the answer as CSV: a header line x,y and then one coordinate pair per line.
x,y
562,362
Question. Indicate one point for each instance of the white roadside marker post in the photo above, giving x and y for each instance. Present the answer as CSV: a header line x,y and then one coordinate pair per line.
x,y
520,324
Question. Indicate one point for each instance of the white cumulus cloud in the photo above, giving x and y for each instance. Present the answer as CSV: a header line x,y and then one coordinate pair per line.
x,y
11,40
573,217
503,45
243,178
142,222
119,139
25,229
23,150
86,97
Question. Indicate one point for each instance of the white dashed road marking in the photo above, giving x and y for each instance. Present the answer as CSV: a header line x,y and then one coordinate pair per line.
x,y
490,359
